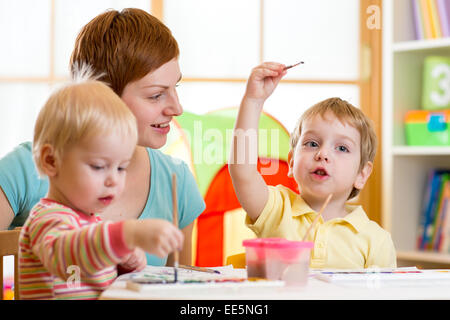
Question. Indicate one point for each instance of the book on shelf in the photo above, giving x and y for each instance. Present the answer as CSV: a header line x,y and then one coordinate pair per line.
x,y
443,237
444,15
431,18
434,224
418,20
434,19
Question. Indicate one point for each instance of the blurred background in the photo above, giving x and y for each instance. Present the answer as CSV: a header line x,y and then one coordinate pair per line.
x,y
220,42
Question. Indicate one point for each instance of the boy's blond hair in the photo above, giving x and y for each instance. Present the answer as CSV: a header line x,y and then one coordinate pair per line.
x,y
78,111
346,113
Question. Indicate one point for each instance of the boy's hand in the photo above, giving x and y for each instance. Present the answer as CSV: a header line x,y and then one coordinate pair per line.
x,y
263,81
250,187
135,261
156,236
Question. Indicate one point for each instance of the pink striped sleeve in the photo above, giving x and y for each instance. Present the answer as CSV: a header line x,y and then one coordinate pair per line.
x,y
118,239
93,247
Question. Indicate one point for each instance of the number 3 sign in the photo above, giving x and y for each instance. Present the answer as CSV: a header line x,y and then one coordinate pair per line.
x,y
436,83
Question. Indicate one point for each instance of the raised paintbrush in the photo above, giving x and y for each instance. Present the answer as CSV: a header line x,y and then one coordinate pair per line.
x,y
293,65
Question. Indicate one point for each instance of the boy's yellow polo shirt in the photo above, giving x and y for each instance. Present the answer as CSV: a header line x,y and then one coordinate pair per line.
x,y
352,242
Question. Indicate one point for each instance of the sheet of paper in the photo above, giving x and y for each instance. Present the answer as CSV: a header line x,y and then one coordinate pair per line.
x,y
375,278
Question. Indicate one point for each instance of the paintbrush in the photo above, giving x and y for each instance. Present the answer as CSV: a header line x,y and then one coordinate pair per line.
x,y
175,222
293,65
201,269
317,217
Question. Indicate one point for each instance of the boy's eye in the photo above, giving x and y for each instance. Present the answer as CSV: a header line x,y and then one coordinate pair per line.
x,y
343,149
311,144
96,167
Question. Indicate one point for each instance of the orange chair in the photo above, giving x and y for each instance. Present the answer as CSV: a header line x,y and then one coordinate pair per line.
x,y
237,260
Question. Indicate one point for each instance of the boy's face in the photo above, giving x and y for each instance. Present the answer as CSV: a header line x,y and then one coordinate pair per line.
x,y
91,174
154,102
327,159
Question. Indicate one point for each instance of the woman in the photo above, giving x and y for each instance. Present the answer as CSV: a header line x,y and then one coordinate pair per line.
x,y
137,56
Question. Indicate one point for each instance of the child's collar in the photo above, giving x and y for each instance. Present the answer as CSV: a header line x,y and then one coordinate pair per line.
x,y
85,216
356,217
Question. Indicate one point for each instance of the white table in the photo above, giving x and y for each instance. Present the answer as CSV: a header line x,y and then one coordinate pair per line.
x,y
314,290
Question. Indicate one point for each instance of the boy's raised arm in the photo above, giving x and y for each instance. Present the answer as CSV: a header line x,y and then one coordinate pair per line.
x,y
251,189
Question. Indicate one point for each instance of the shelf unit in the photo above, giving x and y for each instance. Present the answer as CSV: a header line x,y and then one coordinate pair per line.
x,y
405,167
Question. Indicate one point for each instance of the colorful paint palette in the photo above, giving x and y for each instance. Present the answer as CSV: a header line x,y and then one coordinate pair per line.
x,y
161,275
153,278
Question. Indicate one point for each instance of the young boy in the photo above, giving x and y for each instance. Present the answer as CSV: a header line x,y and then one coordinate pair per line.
x,y
84,139
332,152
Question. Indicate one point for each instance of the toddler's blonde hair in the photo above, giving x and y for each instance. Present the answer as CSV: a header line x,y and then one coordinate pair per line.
x,y
346,113
79,110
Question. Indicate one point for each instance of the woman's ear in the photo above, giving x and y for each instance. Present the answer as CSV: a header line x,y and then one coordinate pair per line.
x,y
290,163
363,175
48,160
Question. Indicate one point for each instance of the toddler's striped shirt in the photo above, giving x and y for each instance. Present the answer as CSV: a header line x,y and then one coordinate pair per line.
x,y
66,254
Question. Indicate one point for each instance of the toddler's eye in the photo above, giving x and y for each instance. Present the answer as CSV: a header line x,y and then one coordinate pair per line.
x,y
95,167
343,149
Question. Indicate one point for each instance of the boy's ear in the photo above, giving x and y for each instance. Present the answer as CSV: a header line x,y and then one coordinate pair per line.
x,y
290,163
363,175
48,160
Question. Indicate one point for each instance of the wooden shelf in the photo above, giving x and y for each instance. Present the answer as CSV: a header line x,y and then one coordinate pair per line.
x,y
418,45
406,168
420,151
431,257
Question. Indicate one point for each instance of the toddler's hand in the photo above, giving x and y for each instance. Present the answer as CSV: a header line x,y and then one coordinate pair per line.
x,y
263,80
135,261
156,236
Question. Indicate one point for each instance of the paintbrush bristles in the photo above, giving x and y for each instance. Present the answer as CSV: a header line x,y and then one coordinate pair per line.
x,y
317,217
293,65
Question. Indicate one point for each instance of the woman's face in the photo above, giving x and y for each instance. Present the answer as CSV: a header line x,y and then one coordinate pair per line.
x,y
154,101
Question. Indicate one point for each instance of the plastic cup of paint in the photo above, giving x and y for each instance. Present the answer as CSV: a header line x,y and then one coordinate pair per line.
x,y
288,261
255,258
278,259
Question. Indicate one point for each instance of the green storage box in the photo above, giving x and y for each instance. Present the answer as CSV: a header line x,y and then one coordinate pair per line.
x,y
428,128
436,83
